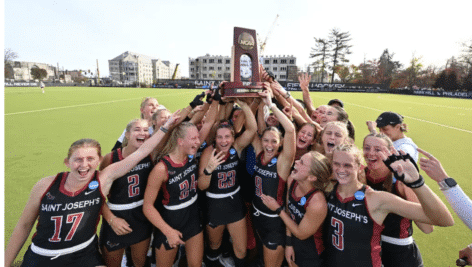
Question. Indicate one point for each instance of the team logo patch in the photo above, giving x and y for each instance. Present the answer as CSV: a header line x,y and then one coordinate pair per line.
x,y
302,201
232,151
93,185
190,156
359,195
273,161
203,144
49,196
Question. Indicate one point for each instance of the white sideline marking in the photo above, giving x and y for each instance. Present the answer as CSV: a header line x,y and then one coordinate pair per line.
x,y
82,105
435,123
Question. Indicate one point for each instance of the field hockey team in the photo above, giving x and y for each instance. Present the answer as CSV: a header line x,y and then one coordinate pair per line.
x,y
264,181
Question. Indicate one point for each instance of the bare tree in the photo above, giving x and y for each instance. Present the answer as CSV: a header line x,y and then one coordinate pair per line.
x,y
321,54
466,56
340,48
10,55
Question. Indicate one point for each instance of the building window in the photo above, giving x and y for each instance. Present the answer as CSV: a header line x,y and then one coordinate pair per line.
x,y
228,61
220,61
219,75
204,61
283,61
211,68
219,68
274,61
204,75
292,61
283,68
266,61
211,61
193,76
282,77
192,69
204,68
274,68
227,68
266,69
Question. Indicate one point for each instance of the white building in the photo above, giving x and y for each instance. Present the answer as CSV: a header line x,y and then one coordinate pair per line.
x,y
21,70
211,67
131,67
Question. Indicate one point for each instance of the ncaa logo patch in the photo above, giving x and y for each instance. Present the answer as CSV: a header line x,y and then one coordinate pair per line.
x,y
273,161
232,151
359,195
93,185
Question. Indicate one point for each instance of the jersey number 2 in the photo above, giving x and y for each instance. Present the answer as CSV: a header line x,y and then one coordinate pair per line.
x,y
133,183
184,187
226,179
74,218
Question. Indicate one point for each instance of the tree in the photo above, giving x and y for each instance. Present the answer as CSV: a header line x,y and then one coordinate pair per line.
x,y
441,80
414,70
38,73
340,48
387,68
9,56
466,56
321,54
467,84
451,81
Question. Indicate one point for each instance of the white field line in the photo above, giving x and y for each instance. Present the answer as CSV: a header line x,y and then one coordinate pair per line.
x,y
82,105
431,122
424,104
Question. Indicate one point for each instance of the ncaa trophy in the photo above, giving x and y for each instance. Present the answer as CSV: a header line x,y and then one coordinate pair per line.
x,y
245,77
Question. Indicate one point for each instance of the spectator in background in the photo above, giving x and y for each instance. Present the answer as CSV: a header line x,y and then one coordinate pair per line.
x,y
391,124
41,84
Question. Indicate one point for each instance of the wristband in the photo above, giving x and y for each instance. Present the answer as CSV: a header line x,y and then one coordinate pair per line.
x,y
288,240
287,96
279,210
206,172
415,184
164,130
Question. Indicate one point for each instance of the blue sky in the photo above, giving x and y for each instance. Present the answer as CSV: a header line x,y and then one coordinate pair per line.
x,y
77,33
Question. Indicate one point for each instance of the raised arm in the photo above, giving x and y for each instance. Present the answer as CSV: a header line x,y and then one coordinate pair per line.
x,y
120,168
459,201
251,127
287,156
431,209
304,80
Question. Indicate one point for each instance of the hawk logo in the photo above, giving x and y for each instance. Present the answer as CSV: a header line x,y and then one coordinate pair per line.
x,y
112,245
49,196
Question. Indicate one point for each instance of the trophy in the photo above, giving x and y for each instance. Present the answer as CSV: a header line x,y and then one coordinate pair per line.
x,y
245,78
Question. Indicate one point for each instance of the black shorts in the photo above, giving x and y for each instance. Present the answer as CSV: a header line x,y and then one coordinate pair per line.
x,y
223,211
306,254
185,220
87,257
271,230
142,230
396,255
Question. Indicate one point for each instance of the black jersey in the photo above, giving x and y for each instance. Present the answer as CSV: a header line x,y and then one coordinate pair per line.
x,y
395,225
223,179
297,209
68,219
130,187
267,182
352,236
181,185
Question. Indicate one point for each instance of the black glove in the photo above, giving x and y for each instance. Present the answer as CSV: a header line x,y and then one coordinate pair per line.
x,y
392,158
197,100
217,96
209,98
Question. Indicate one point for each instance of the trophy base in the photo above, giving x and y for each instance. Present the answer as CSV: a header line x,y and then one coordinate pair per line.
x,y
238,89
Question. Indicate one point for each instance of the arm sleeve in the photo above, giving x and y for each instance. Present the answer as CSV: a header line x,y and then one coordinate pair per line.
x,y
409,149
460,203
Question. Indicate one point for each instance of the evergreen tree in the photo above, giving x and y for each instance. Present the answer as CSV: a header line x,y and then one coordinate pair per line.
x,y
321,55
340,49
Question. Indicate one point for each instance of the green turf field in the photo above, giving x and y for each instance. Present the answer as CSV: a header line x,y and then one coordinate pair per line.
x,y
39,129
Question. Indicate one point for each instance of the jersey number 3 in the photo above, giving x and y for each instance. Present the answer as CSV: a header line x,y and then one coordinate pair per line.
x,y
74,218
338,236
